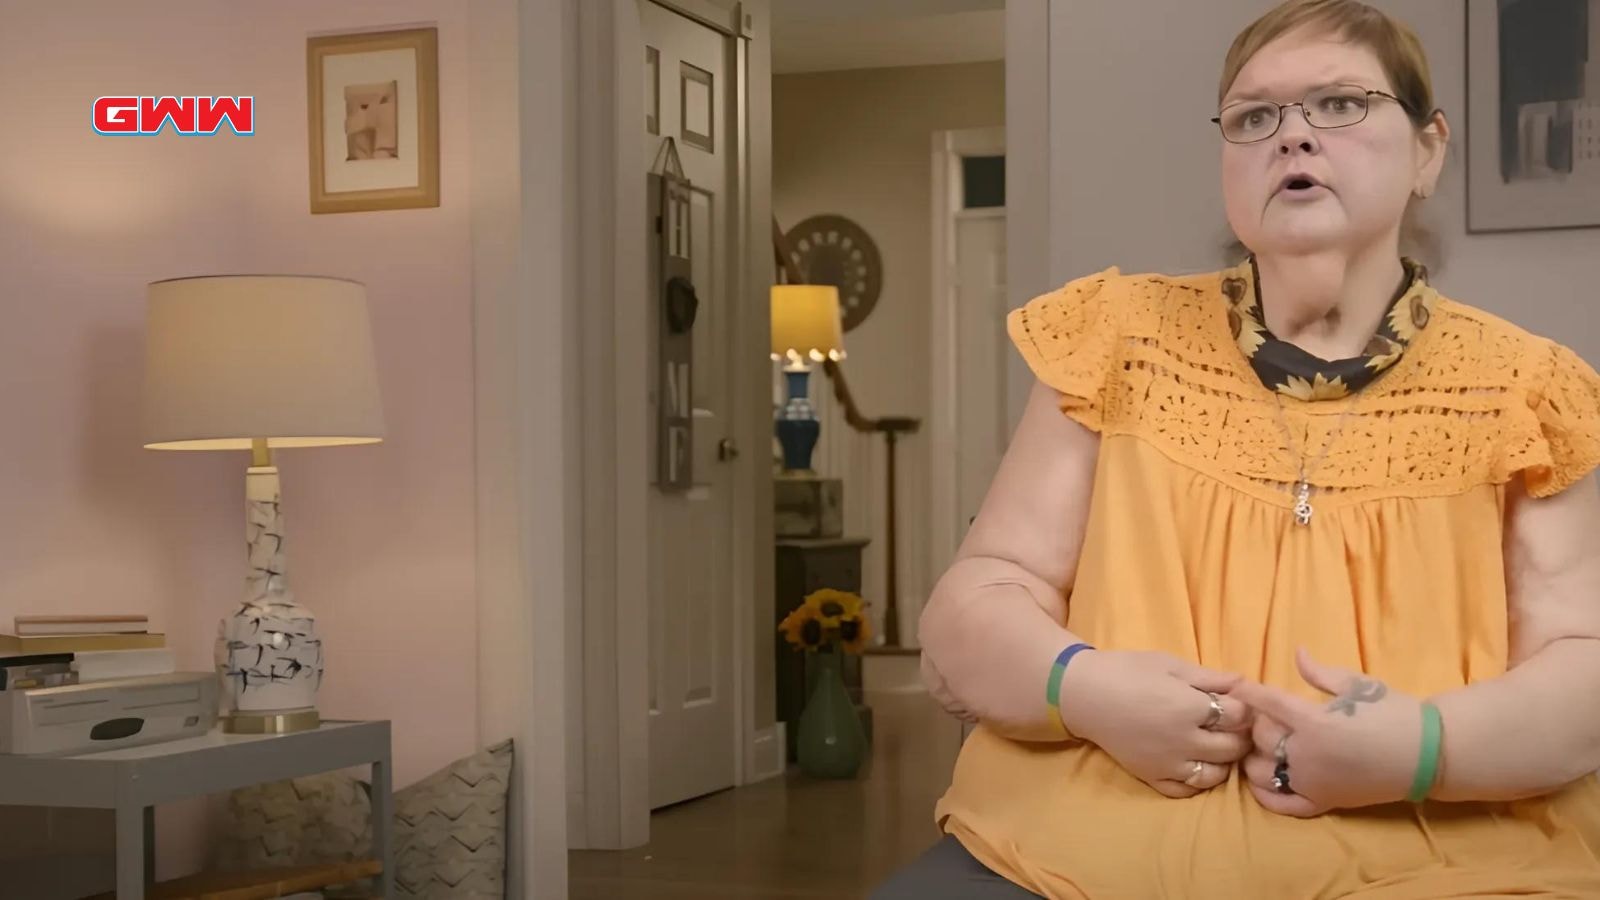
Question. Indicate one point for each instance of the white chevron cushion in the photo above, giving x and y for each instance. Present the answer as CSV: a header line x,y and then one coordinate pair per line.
x,y
449,828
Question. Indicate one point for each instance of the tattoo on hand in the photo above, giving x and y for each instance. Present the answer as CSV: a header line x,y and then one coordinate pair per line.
x,y
1363,690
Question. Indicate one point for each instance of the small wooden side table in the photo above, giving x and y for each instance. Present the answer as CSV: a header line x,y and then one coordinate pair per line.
x,y
133,781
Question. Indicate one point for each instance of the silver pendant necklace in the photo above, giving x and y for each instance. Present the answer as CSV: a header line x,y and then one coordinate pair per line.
x,y
1303,509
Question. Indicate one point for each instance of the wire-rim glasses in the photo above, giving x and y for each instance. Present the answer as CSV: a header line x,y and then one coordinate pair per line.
x,y
1333,106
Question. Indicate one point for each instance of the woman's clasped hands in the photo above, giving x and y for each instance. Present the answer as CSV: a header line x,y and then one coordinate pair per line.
x,y
1173,724
1184,729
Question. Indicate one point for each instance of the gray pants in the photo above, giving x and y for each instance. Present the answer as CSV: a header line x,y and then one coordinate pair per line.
x,y
948,872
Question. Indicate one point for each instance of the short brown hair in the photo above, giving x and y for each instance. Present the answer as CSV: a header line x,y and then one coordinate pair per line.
x,y
1399,51
1395,44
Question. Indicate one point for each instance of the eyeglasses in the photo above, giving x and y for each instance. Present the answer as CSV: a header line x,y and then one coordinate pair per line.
x,y
1335,106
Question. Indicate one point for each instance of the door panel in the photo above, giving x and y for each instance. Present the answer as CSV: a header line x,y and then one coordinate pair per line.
x,y
981,426
692,716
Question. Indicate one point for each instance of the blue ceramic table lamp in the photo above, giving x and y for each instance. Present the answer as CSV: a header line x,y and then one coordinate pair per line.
x,y
805,331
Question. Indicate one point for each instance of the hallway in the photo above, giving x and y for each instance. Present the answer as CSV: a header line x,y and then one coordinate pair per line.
x,y
794,837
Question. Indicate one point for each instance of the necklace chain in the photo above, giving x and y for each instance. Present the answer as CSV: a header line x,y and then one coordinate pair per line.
x,y
1302,487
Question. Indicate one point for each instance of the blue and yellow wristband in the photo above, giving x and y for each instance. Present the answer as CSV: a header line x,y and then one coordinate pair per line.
x,y
1052,688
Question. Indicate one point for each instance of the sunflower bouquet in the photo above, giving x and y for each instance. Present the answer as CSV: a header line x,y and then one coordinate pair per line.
x,y
826,619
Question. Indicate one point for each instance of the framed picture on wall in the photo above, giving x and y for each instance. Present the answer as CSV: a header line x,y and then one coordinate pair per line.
x,y
1533,114
373,103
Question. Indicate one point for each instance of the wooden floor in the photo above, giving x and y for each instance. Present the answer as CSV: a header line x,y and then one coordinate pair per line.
x,y
794,837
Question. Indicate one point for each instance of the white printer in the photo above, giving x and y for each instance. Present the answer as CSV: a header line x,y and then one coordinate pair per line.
x,y
103,715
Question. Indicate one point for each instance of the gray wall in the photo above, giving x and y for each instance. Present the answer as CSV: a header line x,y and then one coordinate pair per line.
x,y
1133,163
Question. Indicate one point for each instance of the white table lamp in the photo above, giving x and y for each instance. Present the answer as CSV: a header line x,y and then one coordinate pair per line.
x,y
260,362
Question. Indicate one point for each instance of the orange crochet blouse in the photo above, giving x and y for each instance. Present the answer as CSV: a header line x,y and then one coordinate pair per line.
x,y
1192,549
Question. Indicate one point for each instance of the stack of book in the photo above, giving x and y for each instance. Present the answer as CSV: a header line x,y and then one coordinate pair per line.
x,y
49,651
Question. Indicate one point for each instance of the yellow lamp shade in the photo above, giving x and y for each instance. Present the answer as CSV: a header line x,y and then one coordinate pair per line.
x,y
805,323
283,358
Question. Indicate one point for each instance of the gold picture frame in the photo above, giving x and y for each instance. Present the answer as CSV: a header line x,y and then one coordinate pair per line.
x,y
380,148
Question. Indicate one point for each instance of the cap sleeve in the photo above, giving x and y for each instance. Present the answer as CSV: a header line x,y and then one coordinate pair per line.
x,y
1566,404
1068,338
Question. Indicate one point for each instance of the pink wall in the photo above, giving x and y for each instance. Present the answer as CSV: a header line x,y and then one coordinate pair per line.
x,y
381,538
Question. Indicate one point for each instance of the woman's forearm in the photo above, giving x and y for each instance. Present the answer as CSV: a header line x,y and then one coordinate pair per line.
x,y
990,634
1527,733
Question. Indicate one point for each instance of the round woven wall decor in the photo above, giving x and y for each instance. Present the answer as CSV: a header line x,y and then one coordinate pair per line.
x,y
831,249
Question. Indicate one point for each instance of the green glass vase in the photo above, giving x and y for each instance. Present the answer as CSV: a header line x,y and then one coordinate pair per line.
x,y
831,743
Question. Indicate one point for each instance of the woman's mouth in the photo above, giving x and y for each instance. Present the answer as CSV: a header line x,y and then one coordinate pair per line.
x,y
1299,185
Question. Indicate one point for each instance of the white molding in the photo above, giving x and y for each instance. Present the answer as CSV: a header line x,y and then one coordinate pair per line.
x,y
949,147
526,430
942,534
720,15
976,142
1029,231
754,620
766,753
613,809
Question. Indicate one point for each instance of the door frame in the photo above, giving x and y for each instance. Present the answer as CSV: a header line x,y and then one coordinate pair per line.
x,y
535,218
949,147
608,728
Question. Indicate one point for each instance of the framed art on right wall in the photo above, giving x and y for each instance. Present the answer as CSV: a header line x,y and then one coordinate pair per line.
x,y
1533,114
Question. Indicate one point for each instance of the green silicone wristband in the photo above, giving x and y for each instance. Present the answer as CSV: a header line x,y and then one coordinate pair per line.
x,y
1428,760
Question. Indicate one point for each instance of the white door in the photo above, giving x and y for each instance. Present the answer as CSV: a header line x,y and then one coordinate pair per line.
x,y
980,252
692,724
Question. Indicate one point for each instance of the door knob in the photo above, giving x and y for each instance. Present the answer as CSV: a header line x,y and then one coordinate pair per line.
x,y
727,449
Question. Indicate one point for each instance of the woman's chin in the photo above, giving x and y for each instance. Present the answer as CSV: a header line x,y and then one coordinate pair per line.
x,y
1302,241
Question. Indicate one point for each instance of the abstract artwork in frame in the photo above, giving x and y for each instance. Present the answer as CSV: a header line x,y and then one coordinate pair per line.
x,y
1533,114
373,104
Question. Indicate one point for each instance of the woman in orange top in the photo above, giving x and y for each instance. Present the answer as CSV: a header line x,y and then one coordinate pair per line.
x,y
1334,627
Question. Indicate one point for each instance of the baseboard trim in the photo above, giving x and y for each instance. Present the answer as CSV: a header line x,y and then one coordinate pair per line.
x,y
766,753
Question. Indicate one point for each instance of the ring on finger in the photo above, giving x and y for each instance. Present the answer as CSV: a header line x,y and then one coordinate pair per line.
x,y
1199,771
1280,773
1214,716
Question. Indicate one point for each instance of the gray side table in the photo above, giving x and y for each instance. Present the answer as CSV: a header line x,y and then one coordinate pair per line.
x,y
133,781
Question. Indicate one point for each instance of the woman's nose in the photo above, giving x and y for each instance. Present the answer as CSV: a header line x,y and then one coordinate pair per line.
x,y
1296,133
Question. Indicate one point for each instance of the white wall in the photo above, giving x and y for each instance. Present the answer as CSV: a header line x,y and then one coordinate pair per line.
x,y
1134,164
859,144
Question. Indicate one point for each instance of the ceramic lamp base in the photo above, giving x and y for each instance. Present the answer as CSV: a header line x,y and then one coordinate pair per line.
x,y
268,651
796,424
285,721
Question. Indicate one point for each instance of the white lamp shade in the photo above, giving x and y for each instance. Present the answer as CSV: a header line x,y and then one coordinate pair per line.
x,y
805,322
233,358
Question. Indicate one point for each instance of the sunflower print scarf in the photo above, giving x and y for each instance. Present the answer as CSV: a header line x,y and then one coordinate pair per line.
x,y
1295,373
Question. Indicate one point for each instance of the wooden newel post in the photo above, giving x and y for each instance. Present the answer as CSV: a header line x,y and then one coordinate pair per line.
x,y
891,612
892,429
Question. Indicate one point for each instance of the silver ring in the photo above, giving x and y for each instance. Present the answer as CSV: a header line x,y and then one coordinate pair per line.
x,y
1199,769
1280,772
1214,717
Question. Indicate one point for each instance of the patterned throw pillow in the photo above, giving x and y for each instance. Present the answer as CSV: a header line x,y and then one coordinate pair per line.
x,y
450,830
307,821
